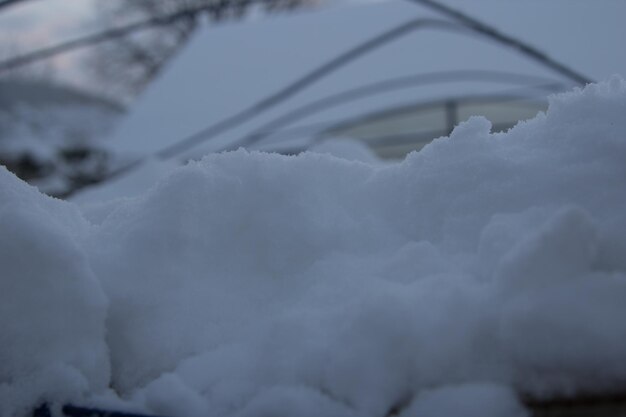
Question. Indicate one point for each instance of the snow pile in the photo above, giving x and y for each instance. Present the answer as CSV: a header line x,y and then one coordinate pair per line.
x,y
151,170
52,308
347,148
250,284
131,184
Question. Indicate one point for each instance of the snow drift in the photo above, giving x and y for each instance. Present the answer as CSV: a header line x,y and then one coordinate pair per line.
x,y
250,284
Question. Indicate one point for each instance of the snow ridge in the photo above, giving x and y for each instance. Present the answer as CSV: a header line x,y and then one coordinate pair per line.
x,y
250,284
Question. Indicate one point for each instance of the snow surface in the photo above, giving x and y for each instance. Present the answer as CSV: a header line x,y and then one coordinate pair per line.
x,y
129,184
251,284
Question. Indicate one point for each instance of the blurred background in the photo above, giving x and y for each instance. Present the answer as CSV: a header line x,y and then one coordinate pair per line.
x,y
93,92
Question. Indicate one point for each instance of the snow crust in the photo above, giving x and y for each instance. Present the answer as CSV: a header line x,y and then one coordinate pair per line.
x,y
251,284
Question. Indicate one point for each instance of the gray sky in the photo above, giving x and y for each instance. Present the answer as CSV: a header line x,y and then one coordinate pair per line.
x,y
39,23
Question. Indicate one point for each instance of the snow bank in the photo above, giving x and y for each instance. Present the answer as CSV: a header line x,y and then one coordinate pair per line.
x,y
52,308
252,284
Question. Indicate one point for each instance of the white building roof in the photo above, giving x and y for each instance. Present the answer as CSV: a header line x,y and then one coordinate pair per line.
x,y
227,68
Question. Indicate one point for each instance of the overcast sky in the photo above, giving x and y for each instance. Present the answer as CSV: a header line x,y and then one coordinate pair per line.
x,y
39,23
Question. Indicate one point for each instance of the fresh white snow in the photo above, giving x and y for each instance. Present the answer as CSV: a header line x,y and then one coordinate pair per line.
x,y
248,284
